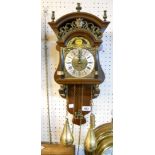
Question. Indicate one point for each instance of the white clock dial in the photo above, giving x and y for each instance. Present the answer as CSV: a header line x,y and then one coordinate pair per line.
x,y
79,62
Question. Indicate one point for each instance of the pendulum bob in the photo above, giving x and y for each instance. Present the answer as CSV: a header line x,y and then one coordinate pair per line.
x,y
79,102
66,136
104,138
90,141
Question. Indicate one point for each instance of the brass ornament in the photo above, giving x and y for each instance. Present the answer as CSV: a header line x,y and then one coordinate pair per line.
x,y
90,141
77,42
78,8
104,138
80,24
105,15
53,16
66,136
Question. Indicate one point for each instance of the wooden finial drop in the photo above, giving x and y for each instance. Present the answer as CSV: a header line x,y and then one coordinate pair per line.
x,y
105,15
53,16
78,8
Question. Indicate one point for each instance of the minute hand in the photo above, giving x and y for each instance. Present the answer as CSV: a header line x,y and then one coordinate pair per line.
x,y
79,56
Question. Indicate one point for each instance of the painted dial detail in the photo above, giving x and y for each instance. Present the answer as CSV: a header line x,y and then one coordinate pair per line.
x,y
79,62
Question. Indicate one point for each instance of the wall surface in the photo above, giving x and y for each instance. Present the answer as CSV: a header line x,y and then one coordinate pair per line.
x,y
103,104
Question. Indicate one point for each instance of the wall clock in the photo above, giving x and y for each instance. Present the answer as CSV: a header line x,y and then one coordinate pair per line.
x,y
79,73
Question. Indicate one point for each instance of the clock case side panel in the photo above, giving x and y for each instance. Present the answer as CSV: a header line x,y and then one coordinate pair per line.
x,y
59,74
101,74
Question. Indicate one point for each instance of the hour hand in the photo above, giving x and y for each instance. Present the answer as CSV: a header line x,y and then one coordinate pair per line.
x,y
79,56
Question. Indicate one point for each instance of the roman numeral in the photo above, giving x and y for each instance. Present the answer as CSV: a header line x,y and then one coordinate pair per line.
x,y
88,67
88,57
73,72
70,67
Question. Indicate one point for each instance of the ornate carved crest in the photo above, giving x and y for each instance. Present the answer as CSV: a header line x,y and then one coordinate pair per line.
x,y
81,24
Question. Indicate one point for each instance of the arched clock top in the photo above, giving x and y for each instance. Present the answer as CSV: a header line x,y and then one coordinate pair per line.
x,y
81,23
87,16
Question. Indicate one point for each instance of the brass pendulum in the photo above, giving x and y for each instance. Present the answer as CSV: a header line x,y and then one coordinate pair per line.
x,y
90,141
66,136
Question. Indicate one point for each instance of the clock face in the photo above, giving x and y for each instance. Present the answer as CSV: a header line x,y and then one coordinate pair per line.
x,y
79,62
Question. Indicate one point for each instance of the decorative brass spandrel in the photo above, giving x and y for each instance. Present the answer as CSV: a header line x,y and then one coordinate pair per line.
x,y
80,24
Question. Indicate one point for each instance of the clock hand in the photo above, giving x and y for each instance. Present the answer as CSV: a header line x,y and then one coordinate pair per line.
x,y
79,56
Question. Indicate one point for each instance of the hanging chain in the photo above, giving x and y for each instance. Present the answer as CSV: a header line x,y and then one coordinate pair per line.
x,y
73,110
79,140
47,92
91,100
66,101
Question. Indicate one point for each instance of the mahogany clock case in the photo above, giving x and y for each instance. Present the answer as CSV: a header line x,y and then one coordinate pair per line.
x,y
79,72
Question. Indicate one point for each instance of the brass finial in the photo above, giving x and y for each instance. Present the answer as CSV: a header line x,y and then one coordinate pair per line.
x,y
78,8
105,15
53,16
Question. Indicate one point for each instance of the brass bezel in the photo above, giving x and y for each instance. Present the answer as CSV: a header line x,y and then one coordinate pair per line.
x,y
91,75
